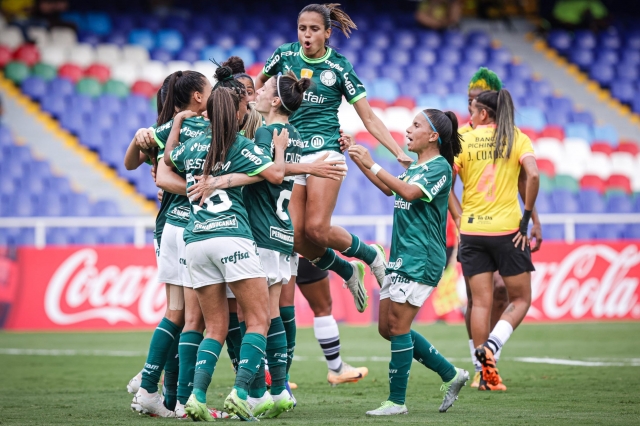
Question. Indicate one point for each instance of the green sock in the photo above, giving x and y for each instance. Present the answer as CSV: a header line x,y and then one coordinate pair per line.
x,y
288,315
171,368
208,355
399,367
161,342
330,260
188,352
251,354
426,354
361,250
234,339
238,345
277,355
258,385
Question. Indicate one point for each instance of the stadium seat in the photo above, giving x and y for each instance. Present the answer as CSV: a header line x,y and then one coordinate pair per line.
x,y
136,55
559,40
556,132
624,163
44,71
89,86
115,88
578,130
591,201
567,183
424,57
620,182
603,147
581,117
553,232
11,37
611,232
154,72
531,117
82,55
581,57
565,201
586,231
632,232
170,40
607,133
126,72
27,53
619,203
550,148
99,72
599,165
429,101
142,37
623,90
63,36
34,87
70,71
592,182
546,166
16,71
161,55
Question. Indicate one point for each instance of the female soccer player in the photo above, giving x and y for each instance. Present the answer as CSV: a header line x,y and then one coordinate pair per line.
x,y
493,230
220,246
313,200
418,251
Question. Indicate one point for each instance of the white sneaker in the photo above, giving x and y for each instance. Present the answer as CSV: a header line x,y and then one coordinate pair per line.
x,y
281,404
261,405
379,265
388,408
136,407
134,384
355,284
152,403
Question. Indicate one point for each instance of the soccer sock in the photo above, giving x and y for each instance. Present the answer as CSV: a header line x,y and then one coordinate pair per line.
x,y
426,354
188,354
499,336
258,386
476,363
496,356
328,335
238,345
288,315
171,368
234,339
330,260
277,355
251,354
399,367
361,250
161,342
208,355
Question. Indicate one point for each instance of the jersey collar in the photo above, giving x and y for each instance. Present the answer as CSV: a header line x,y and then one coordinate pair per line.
x,y
315,60
483,126
416,165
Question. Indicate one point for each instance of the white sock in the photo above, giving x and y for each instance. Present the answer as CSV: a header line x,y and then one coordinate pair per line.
x,y
476,363
497,355
328,336
499,336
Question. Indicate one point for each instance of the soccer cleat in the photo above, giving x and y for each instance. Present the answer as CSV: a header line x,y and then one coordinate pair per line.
x,y
388,408
134,384
293,385
355,284
288,386
347,374
476,379
261,405
153,404
197,411
484,386
238,406
379,265
136,407
281,404
489,371
452,388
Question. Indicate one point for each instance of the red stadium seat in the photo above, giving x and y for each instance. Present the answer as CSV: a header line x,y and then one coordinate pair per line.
x,y
27,53
5,56
620,182
378,103
399,137
366,138
144,88
71,72
631,147
255,69
405,101
546,166
601,147
553,132
533,135
592,182
99,72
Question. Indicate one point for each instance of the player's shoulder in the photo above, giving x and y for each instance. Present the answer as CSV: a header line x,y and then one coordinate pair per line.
x,y
339,62
197,121
521,137
294,48
465,129
165,126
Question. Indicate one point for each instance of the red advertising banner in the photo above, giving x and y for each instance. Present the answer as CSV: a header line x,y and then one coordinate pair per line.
x,y
115,288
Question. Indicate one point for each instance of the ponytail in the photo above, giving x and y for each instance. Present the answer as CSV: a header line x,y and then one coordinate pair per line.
x,y
180,89
333,17
499,106
222,110
446,124
252,122
290,90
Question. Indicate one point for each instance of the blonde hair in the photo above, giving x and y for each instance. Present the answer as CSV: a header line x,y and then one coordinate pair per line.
x,y
253,121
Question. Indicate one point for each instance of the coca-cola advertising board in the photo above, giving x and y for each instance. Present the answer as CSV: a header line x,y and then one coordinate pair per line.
x,y
108,288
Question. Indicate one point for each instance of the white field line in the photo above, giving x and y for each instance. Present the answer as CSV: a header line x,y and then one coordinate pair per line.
x,y
589,362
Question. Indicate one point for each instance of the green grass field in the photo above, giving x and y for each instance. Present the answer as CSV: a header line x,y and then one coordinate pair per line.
x,y
80,378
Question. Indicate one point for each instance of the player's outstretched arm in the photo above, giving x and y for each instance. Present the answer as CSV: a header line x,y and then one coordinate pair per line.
x,y
335,170
170,181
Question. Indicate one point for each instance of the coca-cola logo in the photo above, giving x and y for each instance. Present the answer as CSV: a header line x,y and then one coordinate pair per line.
x,y
594,281
78,291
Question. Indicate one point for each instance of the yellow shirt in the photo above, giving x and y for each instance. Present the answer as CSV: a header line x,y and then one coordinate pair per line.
x,y
490,196
466,129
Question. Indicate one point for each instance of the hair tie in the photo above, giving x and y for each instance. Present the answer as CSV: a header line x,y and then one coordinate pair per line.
x,y
179,74
432,127
228,78
278,87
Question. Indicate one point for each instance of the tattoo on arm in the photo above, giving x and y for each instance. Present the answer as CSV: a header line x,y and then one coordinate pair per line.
x,y
229,179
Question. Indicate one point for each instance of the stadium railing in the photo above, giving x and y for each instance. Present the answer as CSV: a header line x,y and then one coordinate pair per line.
x,y
381,223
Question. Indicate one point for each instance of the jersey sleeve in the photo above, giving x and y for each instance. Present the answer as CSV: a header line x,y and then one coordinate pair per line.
x,y
525,148
178,156
274,64
352,88
251,159
161,134
431,182
264,139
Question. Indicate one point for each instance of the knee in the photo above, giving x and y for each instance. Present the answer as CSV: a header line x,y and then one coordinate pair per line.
x,y
175,316
317,233
383,329
322,309
500,295
194,323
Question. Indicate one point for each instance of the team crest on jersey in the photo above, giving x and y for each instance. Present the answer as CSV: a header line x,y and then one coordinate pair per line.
x,y
306,73
396,265
328,78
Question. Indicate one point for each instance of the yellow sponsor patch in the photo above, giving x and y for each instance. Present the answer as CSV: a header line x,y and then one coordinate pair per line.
x,y
306,73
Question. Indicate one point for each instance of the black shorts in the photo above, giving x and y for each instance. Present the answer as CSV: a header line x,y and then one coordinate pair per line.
x,y
479,254
308,273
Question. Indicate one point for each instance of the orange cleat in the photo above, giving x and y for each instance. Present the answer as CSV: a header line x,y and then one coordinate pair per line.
x,y
489,371
484,386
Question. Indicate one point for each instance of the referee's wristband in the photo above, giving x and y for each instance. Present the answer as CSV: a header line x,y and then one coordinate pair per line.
x,y
375,168
524,223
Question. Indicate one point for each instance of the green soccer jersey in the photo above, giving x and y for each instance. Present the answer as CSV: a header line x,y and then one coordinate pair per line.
x,y
224,213
332,76
178,209
418,243
267,204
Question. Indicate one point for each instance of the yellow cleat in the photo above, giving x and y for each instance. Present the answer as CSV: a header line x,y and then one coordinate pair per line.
x,y
347,374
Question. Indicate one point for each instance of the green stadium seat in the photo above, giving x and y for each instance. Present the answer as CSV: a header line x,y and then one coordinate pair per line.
x,y
547,183
567,182
16,71
116,88
89,86
44,71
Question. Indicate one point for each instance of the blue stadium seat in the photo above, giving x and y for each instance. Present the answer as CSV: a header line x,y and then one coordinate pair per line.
x,y
474,55
372,57
559,40
449,56
97,22
540,88
560,104
57,236
143,37
544,203
553,232
399,58
609,40
217,53
393,73
557,118
500,55
581,117
253,42
453,38
632,232
34,87
630,57
245,53
81,104
108,104
457,103
478,39
188,55
531,117
627,72
424,56
581,57
565,201
429,40
632,40
197,40
607,56
623,90
379,40
517,88
586,231
606,133
430,101
405,39
619,203
520,71
584,39
602,73
578,130
385,89
61,87
611,232
161,55
591,201
72,122
136,104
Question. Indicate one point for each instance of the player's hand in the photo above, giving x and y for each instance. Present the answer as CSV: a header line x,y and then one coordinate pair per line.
x,y
144,139
335,170
536,234
182,115
361,154
160,194
405,160
203,188
346,140
520,240
281,141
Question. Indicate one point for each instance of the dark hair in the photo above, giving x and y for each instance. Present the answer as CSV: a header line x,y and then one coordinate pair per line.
x,y
161,96
446,124
332,16
228,72
291,91
222,109
181,86
237,67
499,106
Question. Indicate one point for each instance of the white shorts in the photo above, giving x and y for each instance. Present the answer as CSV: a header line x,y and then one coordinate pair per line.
x,y
223,259
295,261
333,156
402,290
172,264
277,266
